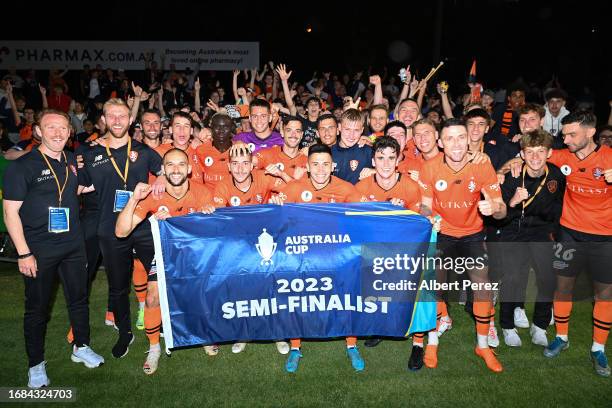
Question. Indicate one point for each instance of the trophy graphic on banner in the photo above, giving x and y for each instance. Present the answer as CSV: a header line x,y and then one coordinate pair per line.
x,y
266,247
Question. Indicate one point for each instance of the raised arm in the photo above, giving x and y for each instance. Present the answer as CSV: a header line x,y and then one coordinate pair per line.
x,y
196,95
43,96
11,99
378,93
446,106
235,85
281,69
127,220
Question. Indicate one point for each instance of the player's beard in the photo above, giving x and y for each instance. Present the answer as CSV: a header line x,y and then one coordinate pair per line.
x,y
176,183
117,135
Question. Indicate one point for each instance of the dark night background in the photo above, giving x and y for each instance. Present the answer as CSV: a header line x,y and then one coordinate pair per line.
x,y
509,38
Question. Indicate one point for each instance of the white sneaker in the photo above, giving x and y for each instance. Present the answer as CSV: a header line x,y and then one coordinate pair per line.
x,y
282,347
446,323
37,376
86,356
538,336
492,338
520,318
238,347
152,361
552,319
511,338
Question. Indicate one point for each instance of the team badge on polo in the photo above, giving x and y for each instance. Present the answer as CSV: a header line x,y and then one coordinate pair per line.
x,y
566,170
441,185
597,173
133,156
353,164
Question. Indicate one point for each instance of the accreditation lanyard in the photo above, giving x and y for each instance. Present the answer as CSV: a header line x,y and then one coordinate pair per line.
x,y
124,175
59,217
526,203
61,189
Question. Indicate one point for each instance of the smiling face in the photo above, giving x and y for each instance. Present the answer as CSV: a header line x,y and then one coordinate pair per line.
x,y
240,167
378,120
151,125
425,137
477,127
530,121
454,140
54,131
292,133
176,167
350,132
399,134
320,168
408,112
328,131
260,119
117,120
385,162
222,128
535,157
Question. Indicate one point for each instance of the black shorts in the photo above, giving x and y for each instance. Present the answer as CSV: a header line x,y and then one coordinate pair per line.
x,y
576,251
152,275
460,250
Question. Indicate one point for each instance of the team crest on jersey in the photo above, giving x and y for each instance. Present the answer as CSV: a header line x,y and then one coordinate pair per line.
x,y
235,201
566,170
354,164
441,185
472,186
494,187
280,166
306,196
552,186
208,161
597,173
73,169
258,198
133,156
163,208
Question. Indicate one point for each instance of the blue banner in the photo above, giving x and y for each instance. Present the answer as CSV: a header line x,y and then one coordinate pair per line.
x,y
269,272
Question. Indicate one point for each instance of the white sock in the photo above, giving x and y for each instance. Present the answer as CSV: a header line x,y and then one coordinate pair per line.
x,y
597,347
562,336
154,347
295,348
483,341
141,305
432,338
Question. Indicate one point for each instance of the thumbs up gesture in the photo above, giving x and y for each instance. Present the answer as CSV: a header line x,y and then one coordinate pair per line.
x,y
486,206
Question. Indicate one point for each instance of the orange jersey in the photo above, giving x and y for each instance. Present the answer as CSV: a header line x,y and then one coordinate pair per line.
x,y
336,191
411,151
275,155
197,196
196,171
213,164
587,204
228,195
405,189
456,194
413,163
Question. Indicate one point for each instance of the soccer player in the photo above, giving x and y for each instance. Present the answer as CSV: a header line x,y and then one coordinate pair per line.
x,y
114,167
214,156
262,136
319,187
248,187
287,157
351,162
41,212
585,238
451,187
534,202
388,184
181,197
181,128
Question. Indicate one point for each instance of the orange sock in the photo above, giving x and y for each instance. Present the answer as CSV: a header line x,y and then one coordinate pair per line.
x,y
152,320
441,308
351,341
562,311
482,315
602,321
296,343
417,339
139,279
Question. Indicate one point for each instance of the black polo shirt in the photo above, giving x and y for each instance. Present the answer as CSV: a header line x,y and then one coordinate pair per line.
x,y
99,171
29,179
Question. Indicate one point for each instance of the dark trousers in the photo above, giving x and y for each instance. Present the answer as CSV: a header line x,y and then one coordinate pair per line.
x,y
517,258
118,256
69,263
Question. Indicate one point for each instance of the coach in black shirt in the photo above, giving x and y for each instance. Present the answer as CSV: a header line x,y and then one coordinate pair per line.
x,y
41,211
114,166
